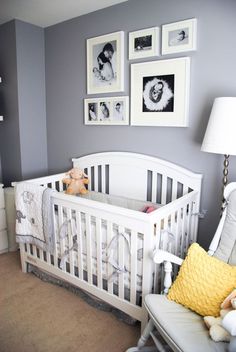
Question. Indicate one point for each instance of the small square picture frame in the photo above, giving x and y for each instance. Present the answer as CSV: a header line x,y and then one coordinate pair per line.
x,y
106,111
144,43
179,37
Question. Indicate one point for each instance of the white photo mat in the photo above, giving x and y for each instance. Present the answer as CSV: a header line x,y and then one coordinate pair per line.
x,y
179,36
99,77
139,47
106,111
169,81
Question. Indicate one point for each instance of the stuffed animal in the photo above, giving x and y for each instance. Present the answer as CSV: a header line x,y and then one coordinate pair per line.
x,y
76,181
217,325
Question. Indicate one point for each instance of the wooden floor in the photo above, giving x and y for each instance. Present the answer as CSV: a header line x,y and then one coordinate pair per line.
x,y
40,317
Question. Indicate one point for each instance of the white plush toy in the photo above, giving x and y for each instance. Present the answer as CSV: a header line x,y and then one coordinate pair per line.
x,y
224,327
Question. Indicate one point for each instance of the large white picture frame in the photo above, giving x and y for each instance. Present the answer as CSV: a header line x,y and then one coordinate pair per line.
x,y
179,36
106,111
160,93
105,63
144,43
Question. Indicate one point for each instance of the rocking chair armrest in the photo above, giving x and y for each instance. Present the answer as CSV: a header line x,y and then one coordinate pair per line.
x,y
161,256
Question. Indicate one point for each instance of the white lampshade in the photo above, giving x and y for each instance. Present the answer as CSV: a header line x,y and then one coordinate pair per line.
x,y
220,136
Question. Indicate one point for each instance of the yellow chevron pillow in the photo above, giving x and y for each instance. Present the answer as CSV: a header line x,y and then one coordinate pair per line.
x,y
203,282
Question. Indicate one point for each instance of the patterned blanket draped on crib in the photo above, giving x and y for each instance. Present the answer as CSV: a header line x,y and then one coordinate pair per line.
x,y
34,222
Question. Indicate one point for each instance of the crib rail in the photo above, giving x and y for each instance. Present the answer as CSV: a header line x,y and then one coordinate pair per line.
x,y
138,176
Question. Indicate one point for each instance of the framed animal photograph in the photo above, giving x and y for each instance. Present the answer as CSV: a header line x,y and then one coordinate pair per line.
x,y
105,63
160,93
106,111
144,43
179,36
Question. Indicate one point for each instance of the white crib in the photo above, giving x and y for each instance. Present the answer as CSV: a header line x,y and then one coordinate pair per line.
x,y
173,226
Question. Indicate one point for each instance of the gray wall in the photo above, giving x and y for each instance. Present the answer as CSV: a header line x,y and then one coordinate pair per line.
x,y
212,67
23,141
31,99
9,128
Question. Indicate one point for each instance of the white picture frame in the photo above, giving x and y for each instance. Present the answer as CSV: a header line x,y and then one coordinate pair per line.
x,y
179,36
160,93
105,67
144,43
106,111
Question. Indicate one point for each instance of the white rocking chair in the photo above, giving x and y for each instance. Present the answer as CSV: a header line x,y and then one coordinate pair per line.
x,y
180,328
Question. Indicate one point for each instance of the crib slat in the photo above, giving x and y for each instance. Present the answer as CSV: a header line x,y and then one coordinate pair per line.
x,y
40,254
61,240
60,186
174,189
121,261
70,240
80,244
95,178
133,266
99,252
157,272
154,187
163,189
34,251
55,229
178,233
185,189
103,174
183,227
28,248
89,178
89,248
48,256
188,237
109,266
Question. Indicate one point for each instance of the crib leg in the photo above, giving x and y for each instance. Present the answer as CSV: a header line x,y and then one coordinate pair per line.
x,y
22,258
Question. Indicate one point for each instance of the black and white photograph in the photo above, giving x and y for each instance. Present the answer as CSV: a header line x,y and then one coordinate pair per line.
x,y
144,43
179,36
92,112
106,111
160,93
105,63
118,110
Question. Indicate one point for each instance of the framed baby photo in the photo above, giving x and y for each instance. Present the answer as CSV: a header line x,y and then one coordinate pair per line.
x,y
106,111
179,36
160,93
144,43
105,63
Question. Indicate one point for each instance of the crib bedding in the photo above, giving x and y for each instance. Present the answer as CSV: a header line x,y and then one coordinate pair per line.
x,y
110,248
124,202
109,251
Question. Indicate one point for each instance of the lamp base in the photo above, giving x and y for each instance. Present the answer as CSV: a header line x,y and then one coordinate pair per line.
x,y
225,176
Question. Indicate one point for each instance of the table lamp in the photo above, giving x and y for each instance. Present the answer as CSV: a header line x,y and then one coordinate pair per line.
x,y
220,135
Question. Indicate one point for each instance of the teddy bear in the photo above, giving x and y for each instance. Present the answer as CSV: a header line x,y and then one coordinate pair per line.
x,y
75,183
223,327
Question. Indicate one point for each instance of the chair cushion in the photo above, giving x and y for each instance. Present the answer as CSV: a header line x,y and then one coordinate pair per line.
x,y
203,282
226,250
183,327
